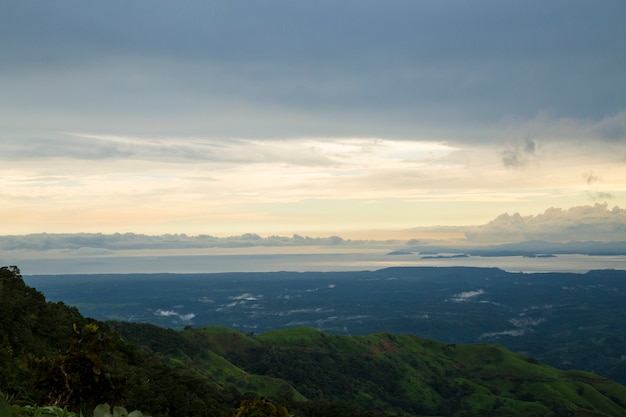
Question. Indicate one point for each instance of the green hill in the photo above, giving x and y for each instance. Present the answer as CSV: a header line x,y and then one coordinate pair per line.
x,y
51,355
418,376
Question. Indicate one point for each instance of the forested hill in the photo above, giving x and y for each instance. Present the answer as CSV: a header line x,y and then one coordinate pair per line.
x,y
51,354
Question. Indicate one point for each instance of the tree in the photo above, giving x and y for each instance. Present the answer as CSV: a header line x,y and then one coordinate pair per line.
x,y
79,378
259,408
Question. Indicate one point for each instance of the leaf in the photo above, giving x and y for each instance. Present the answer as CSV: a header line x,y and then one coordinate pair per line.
x,y
5,410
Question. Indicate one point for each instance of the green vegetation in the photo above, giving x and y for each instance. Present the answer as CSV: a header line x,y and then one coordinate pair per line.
x,y
260,408
55,362
569,321
403,373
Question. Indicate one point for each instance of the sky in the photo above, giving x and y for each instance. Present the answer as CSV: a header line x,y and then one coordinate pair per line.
x,y
352,118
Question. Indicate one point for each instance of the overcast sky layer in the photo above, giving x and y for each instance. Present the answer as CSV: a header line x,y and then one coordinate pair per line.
x,y
325,117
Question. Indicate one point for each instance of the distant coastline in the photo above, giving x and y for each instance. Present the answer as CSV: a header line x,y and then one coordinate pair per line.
x,y
303,262
460,255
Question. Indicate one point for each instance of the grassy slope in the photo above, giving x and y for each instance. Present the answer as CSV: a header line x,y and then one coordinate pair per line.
x,y
392,372
218,340
199,352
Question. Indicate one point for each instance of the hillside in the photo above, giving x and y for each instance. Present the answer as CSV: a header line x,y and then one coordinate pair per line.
x,y
51,354
423,377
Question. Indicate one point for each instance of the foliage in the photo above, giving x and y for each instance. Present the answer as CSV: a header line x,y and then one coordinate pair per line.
x,y
260,407
387,373
5,409
45,411
76,363
50,354
80,378
567,320
101,410
105,410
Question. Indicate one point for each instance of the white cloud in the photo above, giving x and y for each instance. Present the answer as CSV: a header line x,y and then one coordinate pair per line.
x,y
526,322
523,325
466,296
581,223
171,313
246,297
495,335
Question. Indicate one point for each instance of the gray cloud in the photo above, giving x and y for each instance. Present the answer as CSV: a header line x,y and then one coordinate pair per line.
x,y
170,149
612,127
275,69
64,146
519,155
98,148
591,178
594,193
582,223
88,243
600,195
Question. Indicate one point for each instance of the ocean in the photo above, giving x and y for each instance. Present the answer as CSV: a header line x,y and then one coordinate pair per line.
x,y
161,262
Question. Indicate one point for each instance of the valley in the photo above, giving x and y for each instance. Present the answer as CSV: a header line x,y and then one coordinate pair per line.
x,y
567,320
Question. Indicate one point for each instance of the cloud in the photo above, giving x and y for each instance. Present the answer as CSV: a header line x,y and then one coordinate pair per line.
x,y
581,223
523,325
518,156
600,195
171,313
246,297
612,127
496,335
594,193
305,152
226,117
568,132
466,296
324,68
90,242
591,178
526,322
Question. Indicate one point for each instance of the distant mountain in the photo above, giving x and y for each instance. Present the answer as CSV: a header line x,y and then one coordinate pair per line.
x,y
49,353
